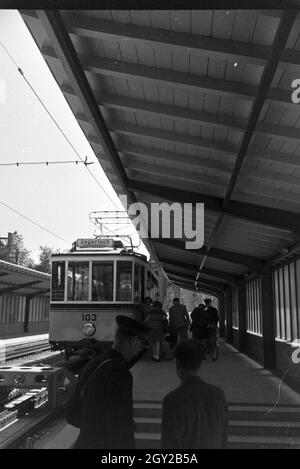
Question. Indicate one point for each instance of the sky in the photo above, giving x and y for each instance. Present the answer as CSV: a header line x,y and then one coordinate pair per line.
x,y
58,197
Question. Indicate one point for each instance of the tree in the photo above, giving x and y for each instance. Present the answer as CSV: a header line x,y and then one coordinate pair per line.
x,y
16,252
44,264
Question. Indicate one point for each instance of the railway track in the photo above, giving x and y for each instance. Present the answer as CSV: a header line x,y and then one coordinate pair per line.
x,y
13,349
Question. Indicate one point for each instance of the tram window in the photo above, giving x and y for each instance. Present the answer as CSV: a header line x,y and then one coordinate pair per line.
x,y
102,281
58,281
143,282
124,281
78,281
137,282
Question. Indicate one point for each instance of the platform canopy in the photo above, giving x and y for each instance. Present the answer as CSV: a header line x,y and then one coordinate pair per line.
x,y
191,106
22,281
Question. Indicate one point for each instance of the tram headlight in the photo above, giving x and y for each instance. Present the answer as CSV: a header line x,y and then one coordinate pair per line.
x,y
19,379
88,329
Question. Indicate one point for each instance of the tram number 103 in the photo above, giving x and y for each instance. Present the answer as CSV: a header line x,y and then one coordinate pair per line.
x,y
89,317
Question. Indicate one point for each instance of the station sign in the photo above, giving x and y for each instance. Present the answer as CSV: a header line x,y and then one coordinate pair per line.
x,y
91,243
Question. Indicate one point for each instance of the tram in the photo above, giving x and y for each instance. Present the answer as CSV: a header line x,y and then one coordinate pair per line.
x,y
93,283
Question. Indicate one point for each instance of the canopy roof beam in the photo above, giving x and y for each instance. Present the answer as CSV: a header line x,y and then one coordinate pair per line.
x,y
194,267
252,263
181,42
215,86
256,213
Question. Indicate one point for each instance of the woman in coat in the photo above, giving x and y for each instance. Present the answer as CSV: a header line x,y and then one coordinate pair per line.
x,y
156,319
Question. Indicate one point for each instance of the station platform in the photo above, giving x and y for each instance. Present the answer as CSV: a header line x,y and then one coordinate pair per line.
x,y
241,378
263,411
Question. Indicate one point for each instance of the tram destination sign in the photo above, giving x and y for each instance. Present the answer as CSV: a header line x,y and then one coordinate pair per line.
x,y
88,243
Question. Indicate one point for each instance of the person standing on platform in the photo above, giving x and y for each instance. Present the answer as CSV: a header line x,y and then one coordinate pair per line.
x,y
179,321
194,415
212,312
145,309
106,390
199,320
156,320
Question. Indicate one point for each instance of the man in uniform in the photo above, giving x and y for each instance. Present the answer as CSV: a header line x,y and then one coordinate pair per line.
x,y
194,415
106,396
179,321
212,312
199,321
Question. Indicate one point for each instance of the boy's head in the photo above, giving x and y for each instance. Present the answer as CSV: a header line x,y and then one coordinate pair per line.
x,y
188,357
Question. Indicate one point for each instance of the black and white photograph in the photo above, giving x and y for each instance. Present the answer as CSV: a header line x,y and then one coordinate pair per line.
x,y
149,229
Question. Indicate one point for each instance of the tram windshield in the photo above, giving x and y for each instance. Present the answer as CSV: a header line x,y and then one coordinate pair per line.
x,y
102,281
58,281
124,281
78,281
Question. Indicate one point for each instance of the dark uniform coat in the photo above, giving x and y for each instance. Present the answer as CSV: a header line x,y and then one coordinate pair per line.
x,y
107,405
213,315
194,416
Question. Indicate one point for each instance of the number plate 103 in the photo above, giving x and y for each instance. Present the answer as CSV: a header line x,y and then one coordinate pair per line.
x,y
89,317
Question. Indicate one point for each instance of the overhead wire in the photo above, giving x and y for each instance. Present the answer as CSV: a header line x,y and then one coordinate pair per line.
x,y
47,163
34,222
54,121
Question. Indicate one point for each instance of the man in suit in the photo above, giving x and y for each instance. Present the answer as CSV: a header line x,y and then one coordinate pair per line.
x,y
194,415
199,321
106,396
212,312
179,321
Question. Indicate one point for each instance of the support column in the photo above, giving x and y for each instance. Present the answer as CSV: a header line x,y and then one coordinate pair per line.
x,y
26,319
222,316
228,315
268,320
242,318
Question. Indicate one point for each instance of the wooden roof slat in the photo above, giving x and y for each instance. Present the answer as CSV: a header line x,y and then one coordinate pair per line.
x,y
134,164
165,126
249,171
183,42
278,43
212,272
214,86
194,161
221,147
190,275
175,178
205,282
250,262
257,213
248,186
201,117
282,33
160,135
